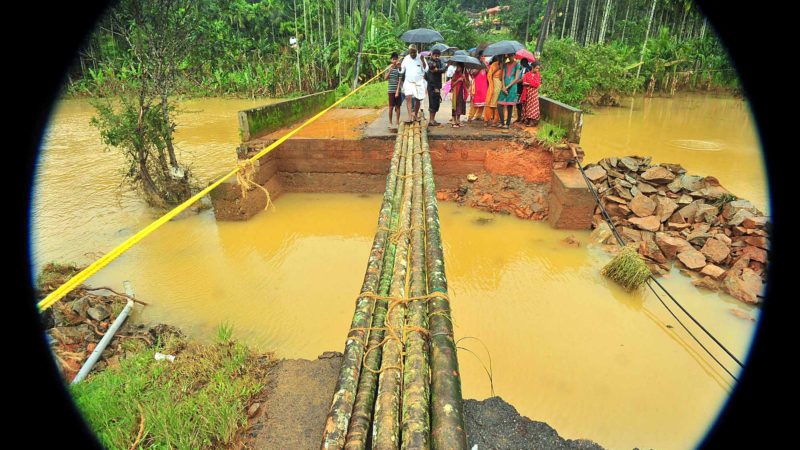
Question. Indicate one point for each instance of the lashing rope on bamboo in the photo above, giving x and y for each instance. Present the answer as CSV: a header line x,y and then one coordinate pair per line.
x,y
401,327
393,303
396,234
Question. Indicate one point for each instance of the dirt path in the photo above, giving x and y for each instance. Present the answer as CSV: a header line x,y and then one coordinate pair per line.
x,y
299,392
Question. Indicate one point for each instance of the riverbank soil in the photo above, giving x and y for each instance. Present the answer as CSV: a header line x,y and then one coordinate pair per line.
x,y
494,424
77,323
299,393
294,404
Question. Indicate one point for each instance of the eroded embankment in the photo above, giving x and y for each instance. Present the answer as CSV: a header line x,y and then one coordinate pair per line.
x,y
508,173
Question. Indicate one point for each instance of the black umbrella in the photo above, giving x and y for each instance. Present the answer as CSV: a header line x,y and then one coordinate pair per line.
x,y
441,47
503,48
450,51
423,36
469,61
461,52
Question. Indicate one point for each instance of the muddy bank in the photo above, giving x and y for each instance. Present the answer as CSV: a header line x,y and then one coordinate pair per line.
x,y
494,424
299,392
501,194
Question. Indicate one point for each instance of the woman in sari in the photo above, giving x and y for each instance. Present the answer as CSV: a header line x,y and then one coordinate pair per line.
x,y
460,92
494,75
532,80
508,96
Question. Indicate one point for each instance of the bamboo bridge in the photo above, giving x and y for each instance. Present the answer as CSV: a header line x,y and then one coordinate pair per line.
x,y
399,384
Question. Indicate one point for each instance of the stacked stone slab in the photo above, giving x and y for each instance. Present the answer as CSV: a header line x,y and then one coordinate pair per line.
x,y
721,241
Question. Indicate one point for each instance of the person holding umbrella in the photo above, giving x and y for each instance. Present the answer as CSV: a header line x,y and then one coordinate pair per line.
x,y
525,58
479,86
413,69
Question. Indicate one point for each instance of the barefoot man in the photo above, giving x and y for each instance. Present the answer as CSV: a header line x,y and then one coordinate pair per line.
x,y
414,86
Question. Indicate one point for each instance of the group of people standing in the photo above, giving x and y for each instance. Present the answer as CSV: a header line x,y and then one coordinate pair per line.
x,y
492,91
504,85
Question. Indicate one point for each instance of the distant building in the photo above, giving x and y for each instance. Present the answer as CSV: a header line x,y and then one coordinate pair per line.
x,y
491,15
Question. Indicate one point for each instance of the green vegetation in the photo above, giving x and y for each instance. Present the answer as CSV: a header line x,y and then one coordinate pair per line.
x,y
550,134
138,117
138,130
224,332
371,96
595,74
198,401
592,51
627,269
724,199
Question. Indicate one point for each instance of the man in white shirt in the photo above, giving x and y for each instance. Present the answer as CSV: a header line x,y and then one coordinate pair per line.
x,y
413,70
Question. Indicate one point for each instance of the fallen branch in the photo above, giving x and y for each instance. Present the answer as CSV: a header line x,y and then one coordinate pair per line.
x,y
118,293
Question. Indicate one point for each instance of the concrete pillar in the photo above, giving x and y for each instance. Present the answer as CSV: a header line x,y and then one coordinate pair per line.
x,y
571,203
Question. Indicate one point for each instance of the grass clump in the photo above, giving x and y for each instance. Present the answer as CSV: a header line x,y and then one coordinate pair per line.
x,y
224,332
723,199
197,402
550,134
627,269
371,96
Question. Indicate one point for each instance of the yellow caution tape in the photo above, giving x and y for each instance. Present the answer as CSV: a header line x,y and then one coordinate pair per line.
x,y
86,273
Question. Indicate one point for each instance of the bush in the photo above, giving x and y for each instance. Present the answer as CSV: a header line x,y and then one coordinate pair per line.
x,y
577,76
550,134
371,96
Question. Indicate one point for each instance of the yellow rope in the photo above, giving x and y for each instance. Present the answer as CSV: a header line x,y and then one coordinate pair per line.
x,y
93,268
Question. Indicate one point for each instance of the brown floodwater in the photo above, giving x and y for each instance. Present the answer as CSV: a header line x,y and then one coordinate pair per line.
x,y
566,346
81,209
707,135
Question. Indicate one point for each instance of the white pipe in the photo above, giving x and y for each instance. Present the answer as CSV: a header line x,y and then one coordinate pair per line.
x,y
87,366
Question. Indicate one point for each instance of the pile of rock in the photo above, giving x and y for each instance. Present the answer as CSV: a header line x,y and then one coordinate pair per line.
x,y
720,241
76,326
500,194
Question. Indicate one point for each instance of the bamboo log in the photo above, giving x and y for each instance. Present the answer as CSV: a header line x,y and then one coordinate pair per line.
x,y
447,419
416,370
345,393
386,432
361,417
